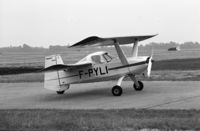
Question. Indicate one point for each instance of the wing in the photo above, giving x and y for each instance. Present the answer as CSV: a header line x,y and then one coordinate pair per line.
x,y
94,40
65,67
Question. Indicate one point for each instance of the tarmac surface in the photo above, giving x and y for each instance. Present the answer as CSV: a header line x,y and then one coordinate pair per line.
x,y
156,95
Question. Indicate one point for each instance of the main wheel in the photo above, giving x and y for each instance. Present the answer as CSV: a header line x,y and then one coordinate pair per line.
x,y
60,92
117,90
140,87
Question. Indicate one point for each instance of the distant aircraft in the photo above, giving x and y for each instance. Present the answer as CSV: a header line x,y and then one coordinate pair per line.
x,y
174,48
98,66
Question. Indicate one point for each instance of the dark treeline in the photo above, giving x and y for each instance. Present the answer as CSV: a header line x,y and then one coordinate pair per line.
x,y
27,48
20,70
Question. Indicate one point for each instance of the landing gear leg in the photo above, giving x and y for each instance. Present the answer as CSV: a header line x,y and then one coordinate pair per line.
x,y
138,85
117,90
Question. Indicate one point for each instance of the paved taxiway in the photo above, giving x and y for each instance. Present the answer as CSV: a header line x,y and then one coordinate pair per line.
x,y
156,95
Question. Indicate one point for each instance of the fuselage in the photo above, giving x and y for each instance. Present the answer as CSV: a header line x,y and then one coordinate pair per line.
x,y
103,68
104,71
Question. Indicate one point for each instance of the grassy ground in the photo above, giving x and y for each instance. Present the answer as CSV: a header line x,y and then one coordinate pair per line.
x,y
125,119
75,54
173,64
171,69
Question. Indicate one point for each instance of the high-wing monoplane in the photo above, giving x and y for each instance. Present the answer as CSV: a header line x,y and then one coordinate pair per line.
x,y
98,66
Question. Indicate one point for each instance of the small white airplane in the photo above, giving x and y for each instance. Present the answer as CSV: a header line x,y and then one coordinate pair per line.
x,y
98,66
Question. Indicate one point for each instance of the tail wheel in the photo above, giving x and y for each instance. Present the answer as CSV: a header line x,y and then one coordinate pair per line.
x,y
60,92
140,87
117,90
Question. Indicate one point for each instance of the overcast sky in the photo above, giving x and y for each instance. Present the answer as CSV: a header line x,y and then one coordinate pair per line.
x,y
59,22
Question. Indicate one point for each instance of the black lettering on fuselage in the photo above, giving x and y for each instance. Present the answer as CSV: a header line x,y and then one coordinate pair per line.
x,y
106,69
101,73
90,71
96,71
80,74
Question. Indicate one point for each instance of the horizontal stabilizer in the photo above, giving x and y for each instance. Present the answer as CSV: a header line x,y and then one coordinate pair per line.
x,y
94,40
64,67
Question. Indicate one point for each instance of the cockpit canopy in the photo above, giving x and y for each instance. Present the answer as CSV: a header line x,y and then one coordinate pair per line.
x,y
97,58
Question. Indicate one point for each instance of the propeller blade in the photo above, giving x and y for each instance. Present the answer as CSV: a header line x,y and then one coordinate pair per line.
x,y
149,67
150,62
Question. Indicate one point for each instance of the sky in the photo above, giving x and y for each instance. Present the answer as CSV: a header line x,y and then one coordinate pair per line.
x,y
61,22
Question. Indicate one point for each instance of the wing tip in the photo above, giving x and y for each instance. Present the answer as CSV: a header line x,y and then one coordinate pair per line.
x,y
155,35
85,41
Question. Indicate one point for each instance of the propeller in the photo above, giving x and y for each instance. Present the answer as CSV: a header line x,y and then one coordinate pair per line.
x,y
150,63
149,66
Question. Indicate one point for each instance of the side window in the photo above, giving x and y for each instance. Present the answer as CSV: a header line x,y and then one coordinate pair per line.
x,y
96,59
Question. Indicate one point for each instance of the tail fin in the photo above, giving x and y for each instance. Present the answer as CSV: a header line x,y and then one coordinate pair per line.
x,y
52,80
53,60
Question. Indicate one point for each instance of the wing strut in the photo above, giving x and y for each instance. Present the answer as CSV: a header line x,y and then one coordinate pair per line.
x,y
135,49
120,53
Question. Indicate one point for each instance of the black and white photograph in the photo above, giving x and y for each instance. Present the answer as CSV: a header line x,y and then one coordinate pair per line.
x,y
99,65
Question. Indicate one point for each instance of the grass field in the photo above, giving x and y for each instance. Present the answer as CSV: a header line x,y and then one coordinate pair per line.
x,y
123,120
174,69
72,55
171,64
29,62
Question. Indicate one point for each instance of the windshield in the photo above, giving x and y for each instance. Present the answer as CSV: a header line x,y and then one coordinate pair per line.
x,y
107,57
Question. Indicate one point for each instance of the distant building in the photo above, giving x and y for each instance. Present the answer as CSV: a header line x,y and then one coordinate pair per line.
x,y
174,48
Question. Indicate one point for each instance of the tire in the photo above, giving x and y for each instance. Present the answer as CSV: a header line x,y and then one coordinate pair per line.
x,y
117,90
141,86
60,92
